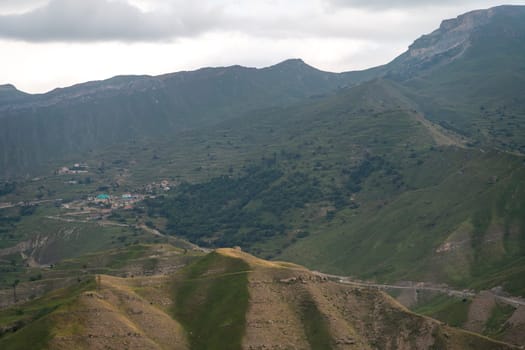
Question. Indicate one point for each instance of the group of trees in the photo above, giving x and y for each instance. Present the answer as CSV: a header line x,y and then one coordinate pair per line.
x,y
7,188
255,206
230,211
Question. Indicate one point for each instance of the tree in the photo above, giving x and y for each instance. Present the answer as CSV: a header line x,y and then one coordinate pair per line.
x,y
15,283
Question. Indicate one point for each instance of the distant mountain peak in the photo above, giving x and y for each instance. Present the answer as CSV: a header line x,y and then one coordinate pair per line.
x,y
292,63
8,88
457,31
9,93
451,40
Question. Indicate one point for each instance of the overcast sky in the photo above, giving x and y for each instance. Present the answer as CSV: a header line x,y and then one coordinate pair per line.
x,y
55,43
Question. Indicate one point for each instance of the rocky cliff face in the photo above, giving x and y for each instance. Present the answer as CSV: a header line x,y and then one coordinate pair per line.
x,y
450,41
452,34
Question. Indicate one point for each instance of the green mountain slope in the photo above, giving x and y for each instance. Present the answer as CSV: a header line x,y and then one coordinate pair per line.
x,y
359,184
458,230
469,76
89,116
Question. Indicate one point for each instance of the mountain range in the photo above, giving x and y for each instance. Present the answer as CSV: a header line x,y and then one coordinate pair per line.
x,y
410,171
439,71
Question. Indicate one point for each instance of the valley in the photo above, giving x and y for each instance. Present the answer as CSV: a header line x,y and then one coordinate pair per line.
x,y
157,211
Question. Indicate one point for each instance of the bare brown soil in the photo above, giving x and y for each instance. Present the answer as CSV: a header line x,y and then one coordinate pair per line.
x,y
515,327
115,317
479,311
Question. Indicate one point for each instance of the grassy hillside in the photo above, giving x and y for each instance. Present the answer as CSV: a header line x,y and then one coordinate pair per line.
x,y
356,183
36,237
457,229
227,299
481,314
211,300
73,306
343,177
32,324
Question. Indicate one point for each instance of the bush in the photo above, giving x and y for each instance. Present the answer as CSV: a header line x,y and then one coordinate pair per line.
x,y
27,210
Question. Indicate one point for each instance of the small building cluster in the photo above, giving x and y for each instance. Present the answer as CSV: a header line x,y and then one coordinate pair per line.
x,y
77,168
154,187
124,201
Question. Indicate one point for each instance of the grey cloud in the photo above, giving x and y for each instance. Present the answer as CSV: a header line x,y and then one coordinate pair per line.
x,y
17,6
102,20
402,4
9,4
118,20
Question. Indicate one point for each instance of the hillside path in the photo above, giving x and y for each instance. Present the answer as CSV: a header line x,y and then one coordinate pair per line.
x,y
513,301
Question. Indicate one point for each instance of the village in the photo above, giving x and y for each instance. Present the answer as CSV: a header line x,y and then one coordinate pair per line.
x,y
77,168
99,206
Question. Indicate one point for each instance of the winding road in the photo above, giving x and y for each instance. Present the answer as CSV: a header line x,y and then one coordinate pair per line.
x,y
513,301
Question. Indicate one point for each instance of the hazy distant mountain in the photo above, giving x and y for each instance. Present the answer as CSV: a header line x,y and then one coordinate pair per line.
x,y
38,128
9,95
451,72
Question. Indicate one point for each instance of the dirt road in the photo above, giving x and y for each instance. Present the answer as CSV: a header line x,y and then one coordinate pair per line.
x,y
513,301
